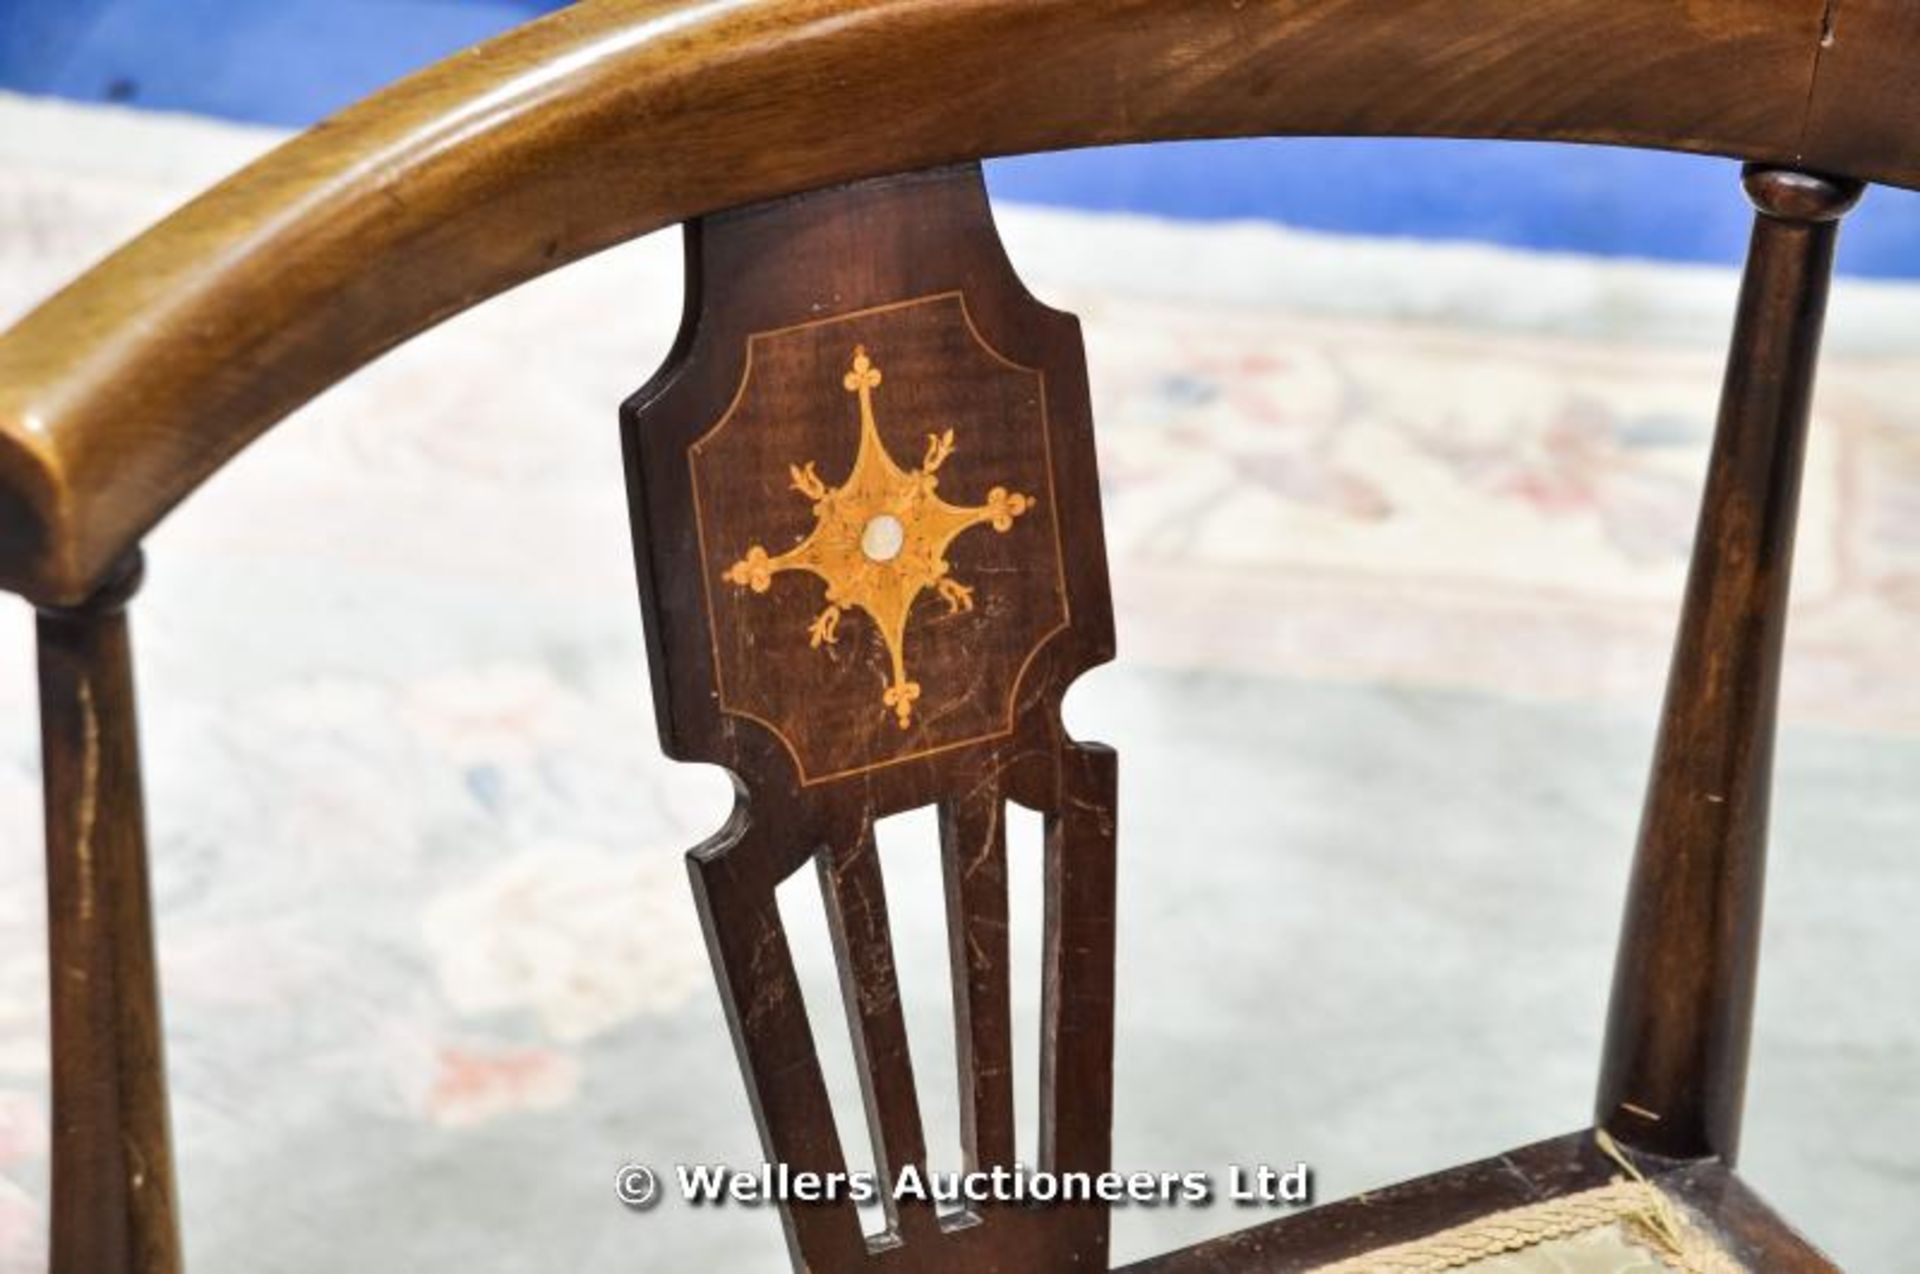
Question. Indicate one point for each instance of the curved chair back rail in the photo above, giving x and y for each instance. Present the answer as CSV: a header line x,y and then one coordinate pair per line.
x,y
616,117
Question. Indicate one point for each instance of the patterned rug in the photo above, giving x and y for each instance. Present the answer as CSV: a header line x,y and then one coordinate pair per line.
x,y
1397,535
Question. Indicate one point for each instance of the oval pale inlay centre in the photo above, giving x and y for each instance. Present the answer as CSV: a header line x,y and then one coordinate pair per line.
x,y
883,538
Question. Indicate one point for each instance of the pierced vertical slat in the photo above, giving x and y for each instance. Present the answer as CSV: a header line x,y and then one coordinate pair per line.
x,y
113,1194
1076,1059
856,894
1674,1072
768,1016
973,846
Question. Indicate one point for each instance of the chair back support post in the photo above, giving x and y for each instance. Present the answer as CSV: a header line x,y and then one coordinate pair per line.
x,y
1673,1073
113,1193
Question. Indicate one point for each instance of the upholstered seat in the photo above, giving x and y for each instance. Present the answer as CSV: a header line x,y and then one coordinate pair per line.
x,y
1606,1249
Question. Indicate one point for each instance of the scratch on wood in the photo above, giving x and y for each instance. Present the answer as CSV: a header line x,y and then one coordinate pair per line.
x,y
1514,1170
977,952
1829,34
770,986
89,797
984,855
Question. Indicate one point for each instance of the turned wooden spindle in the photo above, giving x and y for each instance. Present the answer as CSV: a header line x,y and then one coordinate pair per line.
x,y
1673,1074
113,1196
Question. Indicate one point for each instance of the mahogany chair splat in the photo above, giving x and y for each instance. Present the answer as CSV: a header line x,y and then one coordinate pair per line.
x,y
868,533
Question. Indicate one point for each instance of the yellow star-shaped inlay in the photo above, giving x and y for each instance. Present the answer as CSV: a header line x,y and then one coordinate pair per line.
x,y
879,539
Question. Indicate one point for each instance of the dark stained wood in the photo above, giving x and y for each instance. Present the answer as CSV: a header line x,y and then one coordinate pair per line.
x,y
822,331
734,877
615,117
113,1194
973,848
1863,104
1746,1227
1076,1107
910,269
939,378
1674,1071
856,895
1301,1242
1397,1214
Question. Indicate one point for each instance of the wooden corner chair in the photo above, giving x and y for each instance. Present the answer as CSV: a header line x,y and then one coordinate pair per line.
x,y
867,523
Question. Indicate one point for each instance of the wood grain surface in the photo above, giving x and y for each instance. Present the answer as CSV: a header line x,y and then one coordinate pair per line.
x,y
615,117
114,1209
1674,1075
819,328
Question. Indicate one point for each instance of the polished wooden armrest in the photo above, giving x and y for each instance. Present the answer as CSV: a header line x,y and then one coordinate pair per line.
x,y
614,117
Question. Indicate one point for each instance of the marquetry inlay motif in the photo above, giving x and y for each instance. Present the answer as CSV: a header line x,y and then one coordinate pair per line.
x,y
876,514
880,539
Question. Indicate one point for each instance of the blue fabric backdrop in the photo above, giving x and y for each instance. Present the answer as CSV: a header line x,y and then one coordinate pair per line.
x,y
292,61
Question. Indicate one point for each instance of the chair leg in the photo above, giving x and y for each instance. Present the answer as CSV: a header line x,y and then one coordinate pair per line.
x,y
1673,1075
113,1195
